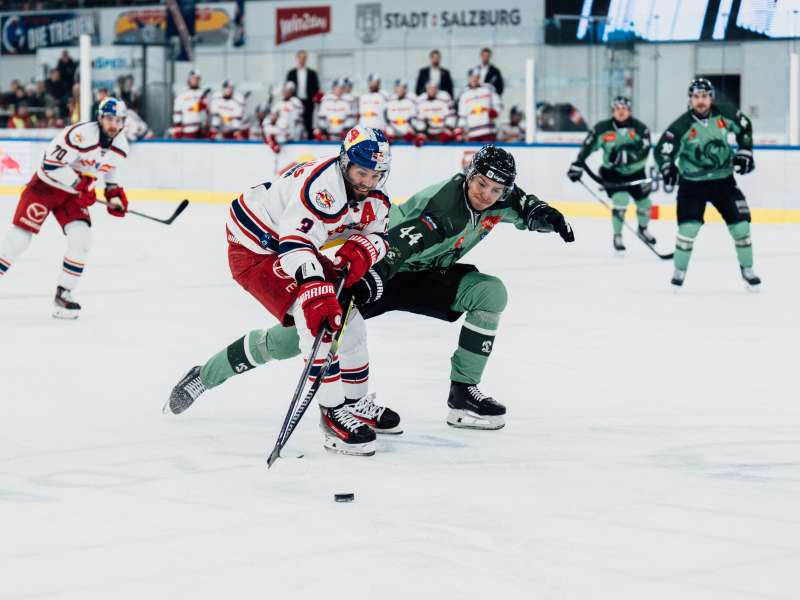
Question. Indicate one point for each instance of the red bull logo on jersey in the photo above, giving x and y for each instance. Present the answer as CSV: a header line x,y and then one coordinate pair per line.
x,y
324,199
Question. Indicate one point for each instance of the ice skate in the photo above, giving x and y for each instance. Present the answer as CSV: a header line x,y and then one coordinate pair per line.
x,y
619,247
646,236
64,305
472,409
751,280
185,392
344,433
677,278
380,418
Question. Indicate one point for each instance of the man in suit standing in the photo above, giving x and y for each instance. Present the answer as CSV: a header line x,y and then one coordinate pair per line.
x,y
307,86
436,74
489,73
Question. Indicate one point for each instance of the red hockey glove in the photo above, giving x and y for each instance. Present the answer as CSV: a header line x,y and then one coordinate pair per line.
x,y
318,97
408,136
86,194
177,132
320,306
358,255
419,140
273,144
319,135
493,114
120,207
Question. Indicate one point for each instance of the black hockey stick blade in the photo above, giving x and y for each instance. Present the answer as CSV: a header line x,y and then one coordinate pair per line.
x,y
180,208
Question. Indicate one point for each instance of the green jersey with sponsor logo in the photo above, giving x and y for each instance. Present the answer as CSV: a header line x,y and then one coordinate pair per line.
x,y
436,227
702,147
625,145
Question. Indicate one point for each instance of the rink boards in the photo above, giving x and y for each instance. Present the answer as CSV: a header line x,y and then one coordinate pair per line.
x,y
211,172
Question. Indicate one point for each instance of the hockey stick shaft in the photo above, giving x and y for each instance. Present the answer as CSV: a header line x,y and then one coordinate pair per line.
x,y
180,208
636,233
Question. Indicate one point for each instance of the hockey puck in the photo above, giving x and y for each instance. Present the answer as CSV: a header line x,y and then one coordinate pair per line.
x,y
344,497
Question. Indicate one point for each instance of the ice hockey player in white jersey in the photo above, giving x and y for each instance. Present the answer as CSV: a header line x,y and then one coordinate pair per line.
x,y
347,94
335,116
401,112
275,235
190,110
514,130
478,109
227,114
285,121
436,117
64,184
372,105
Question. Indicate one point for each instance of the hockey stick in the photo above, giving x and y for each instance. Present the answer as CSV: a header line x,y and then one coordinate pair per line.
x,y
638,235
292,417
181,207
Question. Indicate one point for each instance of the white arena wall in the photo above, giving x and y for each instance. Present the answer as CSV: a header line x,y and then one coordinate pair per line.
x,y
213,172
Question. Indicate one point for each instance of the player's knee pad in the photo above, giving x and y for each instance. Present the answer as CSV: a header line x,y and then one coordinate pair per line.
x,y
740,232
79,237
482,292
643,206
686,234
282,342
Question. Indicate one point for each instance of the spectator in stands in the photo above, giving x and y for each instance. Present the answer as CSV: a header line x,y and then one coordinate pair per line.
x,y
435,73
10,96
51,120
21,118
66,67
127,92
489,73
102,94
74,105
57,88
306,88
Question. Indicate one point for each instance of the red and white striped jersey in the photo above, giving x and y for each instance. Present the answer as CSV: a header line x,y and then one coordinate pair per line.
x,y
335,115
401,113
227,114
434,115
477,110
372,110
76,150
189,110
301,211
288,123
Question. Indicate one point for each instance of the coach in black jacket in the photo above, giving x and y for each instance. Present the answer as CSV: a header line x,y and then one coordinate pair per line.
x,y
427,73
490,73
306,85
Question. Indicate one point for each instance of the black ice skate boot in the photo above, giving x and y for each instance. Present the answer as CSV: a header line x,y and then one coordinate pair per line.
x,y
64,306
618,245
380,418
185,392
344,433
472,409
645,234
678,276
751,280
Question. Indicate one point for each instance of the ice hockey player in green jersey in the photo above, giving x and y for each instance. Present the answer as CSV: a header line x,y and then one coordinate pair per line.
x,y
421,273
696,153
625,143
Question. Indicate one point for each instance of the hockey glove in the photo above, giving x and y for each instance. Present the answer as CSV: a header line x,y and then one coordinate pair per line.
x,y
367,290
540,216
419,140
669,174
358,255
119,207
320,305
575,171
743,162
85,189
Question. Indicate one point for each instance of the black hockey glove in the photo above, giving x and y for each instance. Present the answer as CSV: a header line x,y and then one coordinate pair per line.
x,y
743,162
540,216
669,174
575,171
366,290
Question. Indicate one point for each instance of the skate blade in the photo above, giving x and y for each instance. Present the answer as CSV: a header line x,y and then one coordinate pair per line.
x,y
391,431
619,253
65,314
334,444
753,289
465,419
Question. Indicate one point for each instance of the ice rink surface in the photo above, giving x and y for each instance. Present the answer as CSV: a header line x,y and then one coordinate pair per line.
x,y
652,447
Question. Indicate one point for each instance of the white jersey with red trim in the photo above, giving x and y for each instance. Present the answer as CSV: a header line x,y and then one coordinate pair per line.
x,y
436,114
372,110
335,115
288,123
227,114
76,150
189,110
304,209
477,110
401,113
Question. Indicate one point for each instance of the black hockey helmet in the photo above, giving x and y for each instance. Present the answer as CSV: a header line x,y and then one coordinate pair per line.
x,y
621,101
495,163
701,84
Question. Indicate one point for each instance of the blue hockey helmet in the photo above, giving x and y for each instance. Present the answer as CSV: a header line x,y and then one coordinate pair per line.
x,y
112,107
368,148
